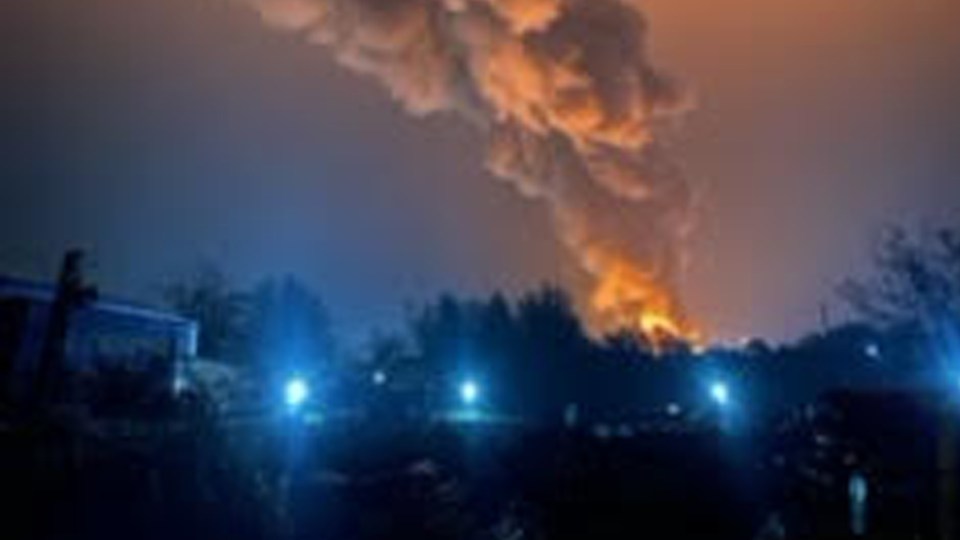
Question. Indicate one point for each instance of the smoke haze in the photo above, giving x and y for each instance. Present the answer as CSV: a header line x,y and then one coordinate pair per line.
x,y
573,110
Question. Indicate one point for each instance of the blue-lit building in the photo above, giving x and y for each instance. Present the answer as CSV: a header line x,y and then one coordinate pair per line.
x,y
105,331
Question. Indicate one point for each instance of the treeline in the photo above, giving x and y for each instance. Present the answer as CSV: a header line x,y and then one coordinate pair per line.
x,y
534,357
531,356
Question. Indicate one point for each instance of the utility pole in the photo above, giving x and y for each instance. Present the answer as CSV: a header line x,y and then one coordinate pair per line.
x,y
947,470
72,292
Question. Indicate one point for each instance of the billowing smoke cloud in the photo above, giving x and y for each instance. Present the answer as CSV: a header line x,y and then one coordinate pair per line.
x,y
573,109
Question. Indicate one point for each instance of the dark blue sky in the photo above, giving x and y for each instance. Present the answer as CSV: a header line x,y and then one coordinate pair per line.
x,y
161,133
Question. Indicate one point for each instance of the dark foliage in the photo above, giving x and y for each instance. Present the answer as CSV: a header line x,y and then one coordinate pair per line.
x,y
917,279
279,321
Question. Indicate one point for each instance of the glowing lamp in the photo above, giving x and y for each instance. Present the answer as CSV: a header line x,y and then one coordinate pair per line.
x,y
469,393
720,393
296,392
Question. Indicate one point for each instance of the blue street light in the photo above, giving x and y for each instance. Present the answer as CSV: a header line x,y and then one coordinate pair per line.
x,y
469,392
720,393
859,492
296,393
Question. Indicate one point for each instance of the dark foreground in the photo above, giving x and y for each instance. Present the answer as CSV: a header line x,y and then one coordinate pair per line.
x,y
283,478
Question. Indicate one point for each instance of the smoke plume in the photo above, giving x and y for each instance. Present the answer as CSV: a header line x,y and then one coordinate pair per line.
x,y
572,108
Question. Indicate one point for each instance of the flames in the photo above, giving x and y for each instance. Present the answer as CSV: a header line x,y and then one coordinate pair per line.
x,y
627,298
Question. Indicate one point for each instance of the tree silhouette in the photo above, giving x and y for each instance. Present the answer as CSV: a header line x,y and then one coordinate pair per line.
x,y
280,325
290,328
222,311
917,280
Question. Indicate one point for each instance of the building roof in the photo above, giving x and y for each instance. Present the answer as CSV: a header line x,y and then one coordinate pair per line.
x,y
12,287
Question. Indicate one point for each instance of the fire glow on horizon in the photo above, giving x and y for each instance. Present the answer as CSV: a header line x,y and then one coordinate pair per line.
x,y
625,298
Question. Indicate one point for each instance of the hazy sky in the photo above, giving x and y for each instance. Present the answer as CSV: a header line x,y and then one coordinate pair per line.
x,y
161,133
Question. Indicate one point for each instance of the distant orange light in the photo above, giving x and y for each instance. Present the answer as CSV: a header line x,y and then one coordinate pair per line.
x,y
627,298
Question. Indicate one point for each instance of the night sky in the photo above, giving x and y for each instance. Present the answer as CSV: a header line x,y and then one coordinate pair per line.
x,y
162,134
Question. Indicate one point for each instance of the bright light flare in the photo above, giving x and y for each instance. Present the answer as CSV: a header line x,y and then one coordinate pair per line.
x,y
469,393
296,393
720,393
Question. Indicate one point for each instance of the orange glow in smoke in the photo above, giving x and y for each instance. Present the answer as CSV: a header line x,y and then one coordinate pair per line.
x,y
626,298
